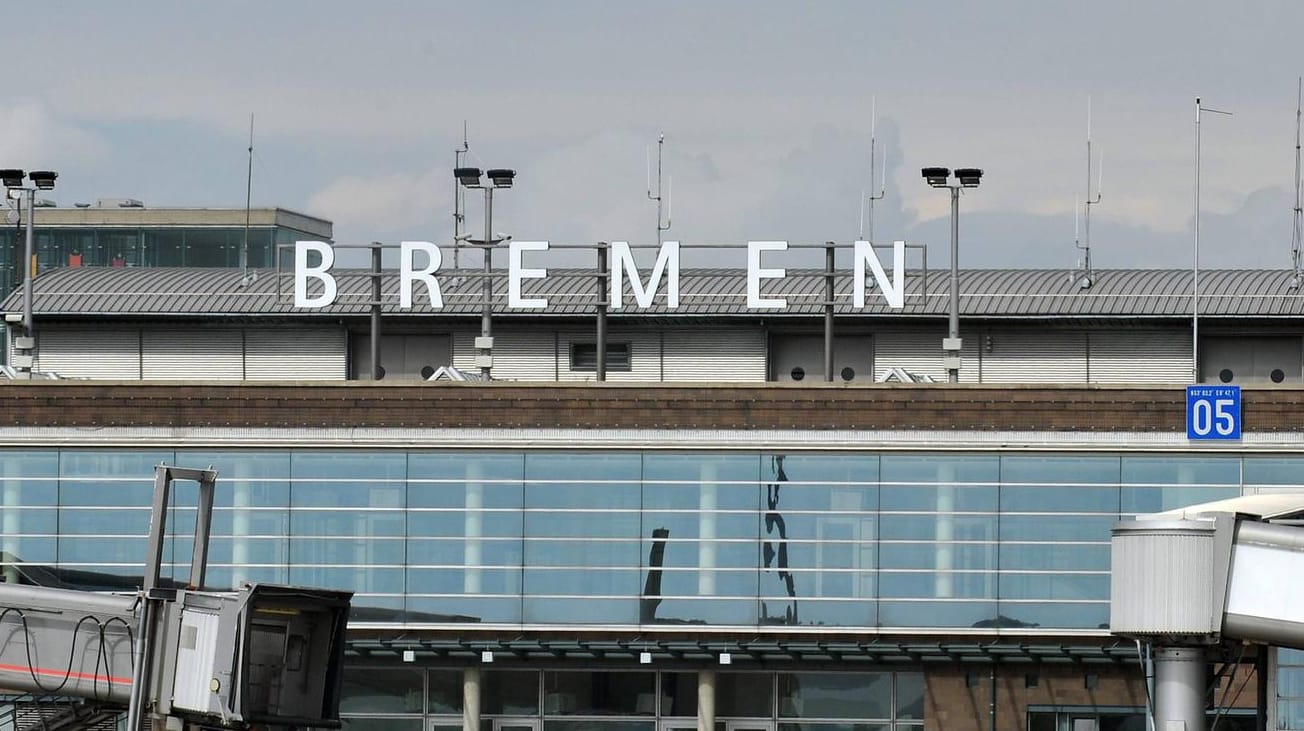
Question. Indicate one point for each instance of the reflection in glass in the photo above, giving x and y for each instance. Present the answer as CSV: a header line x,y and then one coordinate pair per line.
x,y
510,692
582,524
444,691
909,696
744,695
599,693
381,690
680,690
835,695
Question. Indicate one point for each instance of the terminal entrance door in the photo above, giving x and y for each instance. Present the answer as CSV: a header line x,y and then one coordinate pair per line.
x,y
678,724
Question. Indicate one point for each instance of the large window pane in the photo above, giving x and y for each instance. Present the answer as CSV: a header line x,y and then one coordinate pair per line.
x,y
251,517
347,523
818,538
510,692
910,696
444,691
582,536
835,695
699,530
599,693
744,695
382,690
464,529
1156,483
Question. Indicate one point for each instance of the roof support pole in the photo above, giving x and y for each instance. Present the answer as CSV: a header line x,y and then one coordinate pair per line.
x,y
603,288
377,372
829,249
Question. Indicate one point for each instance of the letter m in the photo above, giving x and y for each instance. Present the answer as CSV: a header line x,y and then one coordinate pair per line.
x,y
667,265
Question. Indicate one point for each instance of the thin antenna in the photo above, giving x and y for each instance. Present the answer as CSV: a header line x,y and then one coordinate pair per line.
x,y
249,188
1086,276
459,198
1299,230
882,189
663,205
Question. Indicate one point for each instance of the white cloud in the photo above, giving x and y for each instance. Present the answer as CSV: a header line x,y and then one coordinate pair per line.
x,y
31,137
364,208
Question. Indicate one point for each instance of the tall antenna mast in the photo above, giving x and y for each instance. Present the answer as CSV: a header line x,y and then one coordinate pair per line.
x,y
459,198
1086,276
1295,238
249,188
882,188
663,210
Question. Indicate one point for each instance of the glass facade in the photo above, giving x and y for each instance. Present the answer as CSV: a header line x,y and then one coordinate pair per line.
x,y
632,700
581,537
140,246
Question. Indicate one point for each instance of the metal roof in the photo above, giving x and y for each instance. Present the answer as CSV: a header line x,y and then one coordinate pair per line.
x,y
990,293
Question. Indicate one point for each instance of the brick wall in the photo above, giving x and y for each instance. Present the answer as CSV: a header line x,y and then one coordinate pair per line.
x,y
981,408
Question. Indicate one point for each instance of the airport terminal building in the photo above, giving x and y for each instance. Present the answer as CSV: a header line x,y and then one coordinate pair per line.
x,y
720,536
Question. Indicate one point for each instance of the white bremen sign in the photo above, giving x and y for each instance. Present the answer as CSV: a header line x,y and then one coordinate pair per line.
x,y
666,269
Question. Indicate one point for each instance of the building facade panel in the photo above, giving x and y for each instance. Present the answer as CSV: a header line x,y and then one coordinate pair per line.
x,y
1140,356
105,353
182,354
1042,356
736,355
299,354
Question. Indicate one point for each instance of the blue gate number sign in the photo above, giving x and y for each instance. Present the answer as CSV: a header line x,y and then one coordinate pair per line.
x,y
1213,412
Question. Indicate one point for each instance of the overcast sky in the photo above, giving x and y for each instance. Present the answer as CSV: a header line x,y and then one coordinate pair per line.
x,y
766,109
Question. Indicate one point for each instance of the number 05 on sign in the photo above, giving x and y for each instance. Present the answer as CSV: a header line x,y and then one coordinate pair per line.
x,y
1213,412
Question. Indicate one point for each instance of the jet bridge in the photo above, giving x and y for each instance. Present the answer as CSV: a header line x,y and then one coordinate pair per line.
x,y
263,655
1189,580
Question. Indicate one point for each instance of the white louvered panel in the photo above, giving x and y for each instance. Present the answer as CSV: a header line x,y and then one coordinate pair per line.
x,y
1044,356
105,353
724,356
644,356
283,354
518,355
1140,356
920,353
192,355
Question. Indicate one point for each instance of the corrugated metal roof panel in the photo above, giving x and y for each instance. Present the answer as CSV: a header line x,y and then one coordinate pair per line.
x,y
997,293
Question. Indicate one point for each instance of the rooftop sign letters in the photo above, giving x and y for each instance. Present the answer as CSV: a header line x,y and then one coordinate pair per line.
x,y
663,276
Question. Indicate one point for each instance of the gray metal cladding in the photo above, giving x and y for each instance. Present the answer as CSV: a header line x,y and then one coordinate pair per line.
x,y
1160,577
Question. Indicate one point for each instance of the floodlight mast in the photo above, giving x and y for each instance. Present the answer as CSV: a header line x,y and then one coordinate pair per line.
x,y
12,179
469,177
939,177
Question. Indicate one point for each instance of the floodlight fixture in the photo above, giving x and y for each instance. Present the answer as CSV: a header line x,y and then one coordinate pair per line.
x,y
470,177
11,177
969,177
501,177
936,177
43,180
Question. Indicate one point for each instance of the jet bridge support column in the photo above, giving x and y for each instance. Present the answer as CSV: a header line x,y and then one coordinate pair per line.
x,y
1180,686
